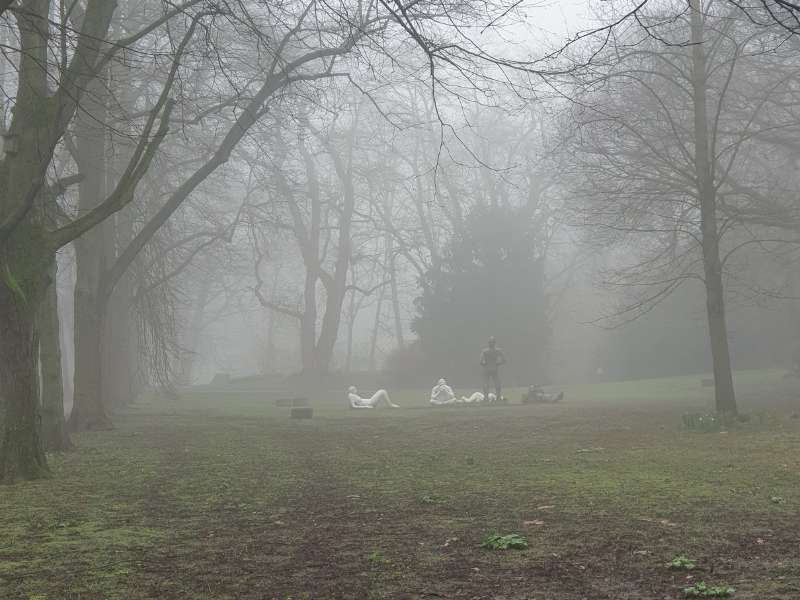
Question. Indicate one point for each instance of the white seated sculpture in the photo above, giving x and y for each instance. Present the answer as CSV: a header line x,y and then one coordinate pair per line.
x,y
378,399
442,394
477,398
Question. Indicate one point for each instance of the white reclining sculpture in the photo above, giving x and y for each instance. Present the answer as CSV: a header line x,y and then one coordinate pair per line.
x,y
378,399
477,398
442,394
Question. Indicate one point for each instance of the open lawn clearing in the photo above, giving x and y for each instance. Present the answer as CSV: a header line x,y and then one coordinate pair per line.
x,y
229,498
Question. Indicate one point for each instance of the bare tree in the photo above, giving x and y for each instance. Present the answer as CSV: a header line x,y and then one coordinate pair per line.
x,y
661,179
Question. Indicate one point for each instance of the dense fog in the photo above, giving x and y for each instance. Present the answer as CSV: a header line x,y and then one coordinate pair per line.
x,y
316,192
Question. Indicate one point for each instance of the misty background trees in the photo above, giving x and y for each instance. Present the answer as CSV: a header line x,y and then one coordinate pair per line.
x,y
317,188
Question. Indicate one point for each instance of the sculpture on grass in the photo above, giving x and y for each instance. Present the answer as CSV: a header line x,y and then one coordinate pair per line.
x,y
378,399
536,395
442,394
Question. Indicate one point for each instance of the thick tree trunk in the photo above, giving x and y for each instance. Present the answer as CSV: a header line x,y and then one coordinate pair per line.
x,y
54,427
22,452
21,285
331,321
725,399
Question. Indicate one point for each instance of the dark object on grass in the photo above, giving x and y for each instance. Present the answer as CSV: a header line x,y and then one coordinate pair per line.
x,y
300,402
707,382
302,412
283,402
536,395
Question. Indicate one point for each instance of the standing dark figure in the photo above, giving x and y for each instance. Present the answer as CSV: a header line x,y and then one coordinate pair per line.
x,y
491,359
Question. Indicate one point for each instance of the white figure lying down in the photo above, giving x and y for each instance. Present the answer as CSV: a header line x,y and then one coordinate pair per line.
x,y
378,399
477,398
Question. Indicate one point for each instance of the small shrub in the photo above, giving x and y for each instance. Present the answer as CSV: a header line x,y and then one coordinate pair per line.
x,y
683,563
511,541
703,590
702,423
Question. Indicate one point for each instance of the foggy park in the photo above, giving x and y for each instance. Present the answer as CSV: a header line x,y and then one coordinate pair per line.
x,y
399,299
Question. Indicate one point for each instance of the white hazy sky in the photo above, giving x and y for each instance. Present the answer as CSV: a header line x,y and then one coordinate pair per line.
x,y
537,26
560,18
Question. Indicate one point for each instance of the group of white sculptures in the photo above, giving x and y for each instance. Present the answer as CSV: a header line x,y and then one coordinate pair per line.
x,y
441,395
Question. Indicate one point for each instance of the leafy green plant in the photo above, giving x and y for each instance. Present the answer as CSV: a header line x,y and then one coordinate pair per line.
x,y
703,590
432,499
511,541
683,563
376,557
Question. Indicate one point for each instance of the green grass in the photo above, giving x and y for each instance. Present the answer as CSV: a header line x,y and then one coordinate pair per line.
x,y
223,496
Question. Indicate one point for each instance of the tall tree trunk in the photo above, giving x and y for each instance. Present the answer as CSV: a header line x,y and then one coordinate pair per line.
x,y
272,325
376,325
308,323
352,311
117,381
398,323
89,408
22,282
725,399
336,286
54,426
189,353
22,453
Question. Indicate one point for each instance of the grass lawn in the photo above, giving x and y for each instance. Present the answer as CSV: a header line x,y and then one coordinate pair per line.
x,y
221,495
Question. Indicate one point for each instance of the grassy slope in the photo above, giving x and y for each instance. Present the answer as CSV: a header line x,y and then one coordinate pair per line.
x,y
225,497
